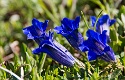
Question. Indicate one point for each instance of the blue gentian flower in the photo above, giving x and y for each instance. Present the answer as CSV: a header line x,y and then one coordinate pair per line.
x,y
47,44
103,23
36,30
69,29
97,46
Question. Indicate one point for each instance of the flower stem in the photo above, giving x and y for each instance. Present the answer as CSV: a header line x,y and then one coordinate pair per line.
x,y
97,19
11,73
84,19
42,61
82,65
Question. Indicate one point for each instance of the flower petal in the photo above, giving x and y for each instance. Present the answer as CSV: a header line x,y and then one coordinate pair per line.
x,y
67,23
36,29
83,48
40,25
103,19
76,23
75,39
37,51
69,29
109,54
91,34
58,29
26,31
103,37
98,47
91,55
93,20
64,58
107,48
112,22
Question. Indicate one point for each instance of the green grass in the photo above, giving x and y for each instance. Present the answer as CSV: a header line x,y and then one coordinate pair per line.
x,y
18,58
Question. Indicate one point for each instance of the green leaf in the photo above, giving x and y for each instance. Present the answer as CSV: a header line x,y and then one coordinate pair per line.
x,y
113,34
42,59
47,71
122,39
49,14
34,73
123,18
94,76
62,11
73,8
16,61
56,71
115,74
122,10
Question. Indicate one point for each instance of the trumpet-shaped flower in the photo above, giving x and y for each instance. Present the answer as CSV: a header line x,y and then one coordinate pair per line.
x,y
103,23
69,29
47,44
36,30
97,46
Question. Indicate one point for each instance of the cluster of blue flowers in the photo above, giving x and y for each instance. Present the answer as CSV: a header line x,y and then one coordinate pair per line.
x,y
96,44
